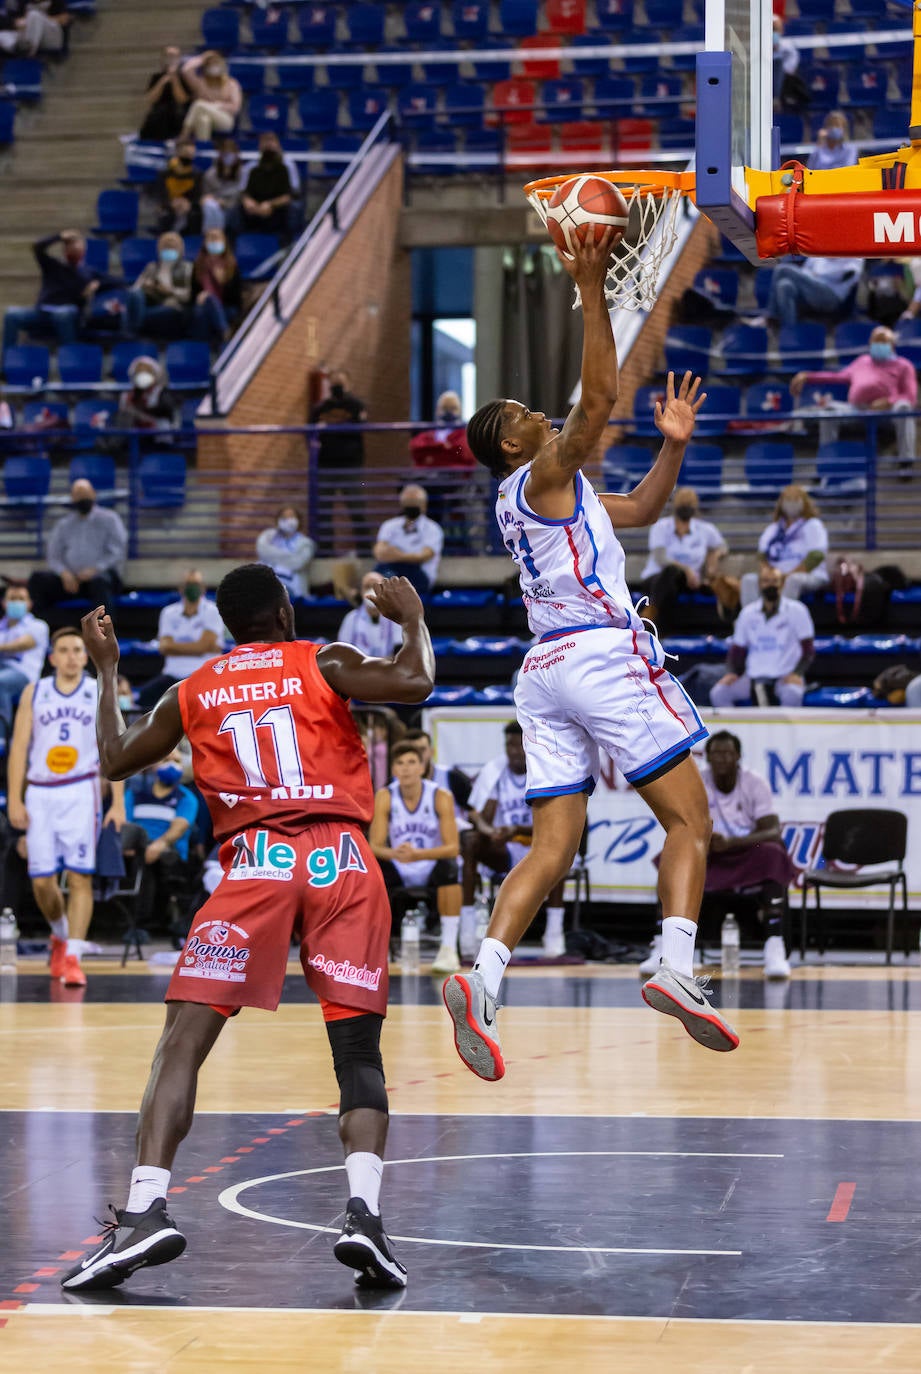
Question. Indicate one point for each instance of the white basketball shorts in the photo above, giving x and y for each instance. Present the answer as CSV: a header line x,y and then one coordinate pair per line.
x,y
601,688
63,827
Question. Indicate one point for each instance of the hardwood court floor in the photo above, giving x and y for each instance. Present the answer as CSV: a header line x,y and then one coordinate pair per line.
x,y
621,1198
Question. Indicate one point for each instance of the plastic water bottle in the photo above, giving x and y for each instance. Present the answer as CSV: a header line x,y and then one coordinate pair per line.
x,y
409,941
481,912
9,934
730,944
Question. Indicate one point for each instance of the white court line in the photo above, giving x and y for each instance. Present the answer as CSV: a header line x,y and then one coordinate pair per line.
x,y
488,1116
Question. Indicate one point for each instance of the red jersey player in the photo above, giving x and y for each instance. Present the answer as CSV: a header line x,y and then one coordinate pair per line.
x,y
280,763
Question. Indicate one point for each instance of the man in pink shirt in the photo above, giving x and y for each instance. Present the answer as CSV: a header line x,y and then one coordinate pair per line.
x,y
877,380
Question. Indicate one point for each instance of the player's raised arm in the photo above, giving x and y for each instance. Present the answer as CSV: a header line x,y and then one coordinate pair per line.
x,y
675,421
409,676
126,749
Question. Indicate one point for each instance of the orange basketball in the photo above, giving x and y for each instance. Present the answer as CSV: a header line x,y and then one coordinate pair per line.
x,y
582,204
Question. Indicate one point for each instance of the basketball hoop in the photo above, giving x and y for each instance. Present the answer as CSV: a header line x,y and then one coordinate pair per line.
x,y
653,199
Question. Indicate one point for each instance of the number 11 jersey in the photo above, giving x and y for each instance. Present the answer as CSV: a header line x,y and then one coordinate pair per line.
x,y
272,743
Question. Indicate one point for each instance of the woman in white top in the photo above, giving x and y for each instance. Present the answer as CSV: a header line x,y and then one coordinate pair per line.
x,y
217,97
685,553
796,542
287,551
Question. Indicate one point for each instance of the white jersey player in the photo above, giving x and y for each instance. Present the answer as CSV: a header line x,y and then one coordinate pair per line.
x,y
55,797
596,678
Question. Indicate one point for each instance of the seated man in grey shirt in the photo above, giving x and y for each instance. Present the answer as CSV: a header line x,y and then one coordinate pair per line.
x,y
85,555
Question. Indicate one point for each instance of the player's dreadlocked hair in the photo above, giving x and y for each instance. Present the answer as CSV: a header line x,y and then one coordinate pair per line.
x,y
484,436
248,601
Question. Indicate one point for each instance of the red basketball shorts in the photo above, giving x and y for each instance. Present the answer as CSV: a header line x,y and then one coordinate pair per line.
x,y
323,888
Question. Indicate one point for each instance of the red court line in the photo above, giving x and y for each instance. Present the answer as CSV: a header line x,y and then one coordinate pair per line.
x,y
10,1305
26,1287
230,1159
841,1204
71,1255
46,1273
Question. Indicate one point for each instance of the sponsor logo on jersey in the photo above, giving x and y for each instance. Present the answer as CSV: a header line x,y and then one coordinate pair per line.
x,y
247,661
229,798
255,857
216,950
347,972
219,666
62,758
546,660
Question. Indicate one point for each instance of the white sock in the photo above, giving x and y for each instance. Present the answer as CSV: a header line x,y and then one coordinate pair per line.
x,y
59,928
554,927
678,937
450,926
364,1171
147,1184
491,962
74,946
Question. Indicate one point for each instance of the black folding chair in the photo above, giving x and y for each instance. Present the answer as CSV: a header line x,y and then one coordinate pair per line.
x,y
865,836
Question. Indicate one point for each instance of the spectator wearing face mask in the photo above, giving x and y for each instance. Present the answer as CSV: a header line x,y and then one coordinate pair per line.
x,y
217,97
23,646
445,446
222,185
365,628
833,146
685,553
148,404
288,551
410,544
85,555
218,288
160,813
159,301
190,633
795,543
126,701
340,454
67,290
178,192
877,380
771,648
167,99
267,196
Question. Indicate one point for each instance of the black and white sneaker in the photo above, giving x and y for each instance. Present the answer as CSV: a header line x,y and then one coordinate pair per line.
x,y
131,1241
364,1247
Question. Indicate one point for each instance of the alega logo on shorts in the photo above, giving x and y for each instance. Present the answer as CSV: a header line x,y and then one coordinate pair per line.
x,y
347,972
214,950
256,858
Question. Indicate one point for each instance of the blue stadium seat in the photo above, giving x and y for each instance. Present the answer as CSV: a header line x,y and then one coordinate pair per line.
x,y
97,468
612,94
7,122
791,127
823,83
614,15
318,110
441,141
189,363
847,52
252,250
422,20
561,100
625,464
162,478
852,337
251,76
686,33
90,417
135,255
26,366
678,133
588,66
345,76
721,285
801,347
768,401
818,393
97,255
269,28
464,104
27,477
813,10
722,401
393,74
867,86
124,354
498,70
909,329
470,19
644,404
418,105
192,244
890,124
518,18
702,468
220,29
687,347
366,107
268,114
842,467
22,78
481,147
317,25
294,76
645,62
662,95
365,24
769,467
337,143
744,348
80,364
35,412
117,212
763,278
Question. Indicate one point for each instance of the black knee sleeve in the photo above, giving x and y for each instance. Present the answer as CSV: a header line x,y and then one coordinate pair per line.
x,y
355,1044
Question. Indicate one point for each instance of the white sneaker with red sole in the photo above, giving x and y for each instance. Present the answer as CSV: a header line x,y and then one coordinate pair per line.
x,y
473,1012
676,994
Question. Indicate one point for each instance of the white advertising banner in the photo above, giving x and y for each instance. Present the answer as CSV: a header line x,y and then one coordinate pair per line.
x,y
814,761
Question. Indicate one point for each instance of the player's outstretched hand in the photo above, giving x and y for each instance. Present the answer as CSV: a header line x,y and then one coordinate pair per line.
x,y
397,599
675,420
588,264
99,638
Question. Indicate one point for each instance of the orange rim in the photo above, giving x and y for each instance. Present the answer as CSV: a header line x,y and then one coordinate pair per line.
x,y
655,184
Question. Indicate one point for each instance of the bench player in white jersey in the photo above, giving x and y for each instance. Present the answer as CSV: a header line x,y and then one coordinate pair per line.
x,y
596,679
54,796
413,836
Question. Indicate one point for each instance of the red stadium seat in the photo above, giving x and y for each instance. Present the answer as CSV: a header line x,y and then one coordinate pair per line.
x,y
632,136
509,96
531,146
546,68
583,141
565,16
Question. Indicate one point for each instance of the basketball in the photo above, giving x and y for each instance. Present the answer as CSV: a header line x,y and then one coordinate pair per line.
x,y
582,203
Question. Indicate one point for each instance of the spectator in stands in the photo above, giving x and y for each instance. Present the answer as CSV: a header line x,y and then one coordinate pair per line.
x,y
445,446
818,286
85,555
159,301
218,288
23,646
148,404
126,701
288,551
190,632
167,99
7,418
877,380
165,813
67,289
30,28
267,196
409,545
796,543
786,54
217,97
772,646
833,146
222,185
340,454
365,628
178,192
684,554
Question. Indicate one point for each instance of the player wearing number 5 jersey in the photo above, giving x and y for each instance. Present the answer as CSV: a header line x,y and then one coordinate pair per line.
x,y
596,679
278,758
